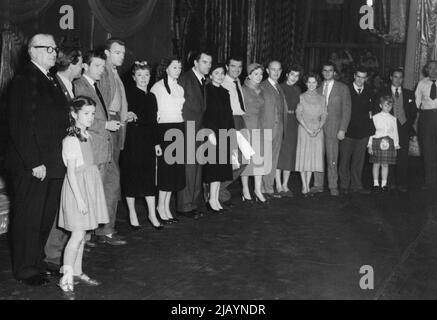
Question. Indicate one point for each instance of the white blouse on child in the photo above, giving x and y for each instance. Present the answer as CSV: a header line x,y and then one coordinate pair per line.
x,y
71,150
385,125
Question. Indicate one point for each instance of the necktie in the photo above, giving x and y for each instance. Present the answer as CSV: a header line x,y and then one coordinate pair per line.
x,y
240,96
359,91
325,91
433,93
101,99
397,93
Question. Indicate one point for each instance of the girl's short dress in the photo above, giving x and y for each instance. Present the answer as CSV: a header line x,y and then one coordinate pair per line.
x,y
90,185
384,151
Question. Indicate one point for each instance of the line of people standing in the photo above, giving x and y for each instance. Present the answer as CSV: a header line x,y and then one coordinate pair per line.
x,y
283,130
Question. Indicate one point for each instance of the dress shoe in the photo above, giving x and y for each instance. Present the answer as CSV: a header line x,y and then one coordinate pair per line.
x,y
244,199
334,192
174,220
265,202
51,273
36,280
314,190
375,189
114,241
211,209
158,227
276,195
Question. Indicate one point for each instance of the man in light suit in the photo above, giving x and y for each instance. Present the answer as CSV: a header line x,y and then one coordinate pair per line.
x,y
38,119
114,97
193,82
338,102
69,67
273,117
94,66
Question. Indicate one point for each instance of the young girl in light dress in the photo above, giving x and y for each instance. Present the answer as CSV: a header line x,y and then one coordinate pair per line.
x,y
384,143
83,205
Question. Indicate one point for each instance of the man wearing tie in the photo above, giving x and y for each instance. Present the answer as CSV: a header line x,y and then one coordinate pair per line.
x,y
193,82
274,118
69,67
354,146
234,67
426,101
38,119
101,129
405,111
338,101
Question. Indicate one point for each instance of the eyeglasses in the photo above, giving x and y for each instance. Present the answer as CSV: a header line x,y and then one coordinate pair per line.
x,y
49,49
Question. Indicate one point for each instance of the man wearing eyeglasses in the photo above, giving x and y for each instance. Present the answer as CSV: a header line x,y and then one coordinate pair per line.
x,y
38,118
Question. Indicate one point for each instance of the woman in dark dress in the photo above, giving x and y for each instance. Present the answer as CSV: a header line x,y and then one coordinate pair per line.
x,y
287,155
138,161
218,115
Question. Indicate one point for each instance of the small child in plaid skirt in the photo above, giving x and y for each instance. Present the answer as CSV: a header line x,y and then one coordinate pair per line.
x,y
384,143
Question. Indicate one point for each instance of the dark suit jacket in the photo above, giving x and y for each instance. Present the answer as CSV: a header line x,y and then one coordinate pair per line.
x,y
38,119
410,108
360,125
100,137
195,103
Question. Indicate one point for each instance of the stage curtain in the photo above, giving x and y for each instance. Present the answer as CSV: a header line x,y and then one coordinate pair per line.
x,y
391,18
122,18
427,29
16,11
256,30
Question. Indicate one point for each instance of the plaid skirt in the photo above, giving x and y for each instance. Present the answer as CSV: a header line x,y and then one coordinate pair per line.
x,y
387,156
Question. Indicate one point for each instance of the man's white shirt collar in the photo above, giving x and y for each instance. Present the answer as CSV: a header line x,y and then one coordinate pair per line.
x,y
40,68
199,76
67,83
272,82
91,81
358,88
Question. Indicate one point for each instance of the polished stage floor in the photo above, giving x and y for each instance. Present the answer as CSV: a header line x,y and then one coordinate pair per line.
x,y
296,248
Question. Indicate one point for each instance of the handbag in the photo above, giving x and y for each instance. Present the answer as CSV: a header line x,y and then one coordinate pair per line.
x,y
413,147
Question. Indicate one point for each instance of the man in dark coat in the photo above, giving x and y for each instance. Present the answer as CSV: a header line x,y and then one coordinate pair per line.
x,y
38,118
405,111
193,82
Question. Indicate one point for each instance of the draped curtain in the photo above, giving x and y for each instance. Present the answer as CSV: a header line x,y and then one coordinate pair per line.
x,y
391,19
426,35
17,11
256,30
122,18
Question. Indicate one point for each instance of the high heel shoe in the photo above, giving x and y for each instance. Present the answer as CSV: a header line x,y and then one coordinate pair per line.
x,y
258,200
244,199
211,209
164,221
157,228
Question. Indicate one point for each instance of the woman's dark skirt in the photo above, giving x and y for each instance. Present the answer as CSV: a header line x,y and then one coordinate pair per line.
x,y
171,177
383,156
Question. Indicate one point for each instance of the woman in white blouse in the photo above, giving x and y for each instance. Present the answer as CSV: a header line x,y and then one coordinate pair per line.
x,y
384,143
170,98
